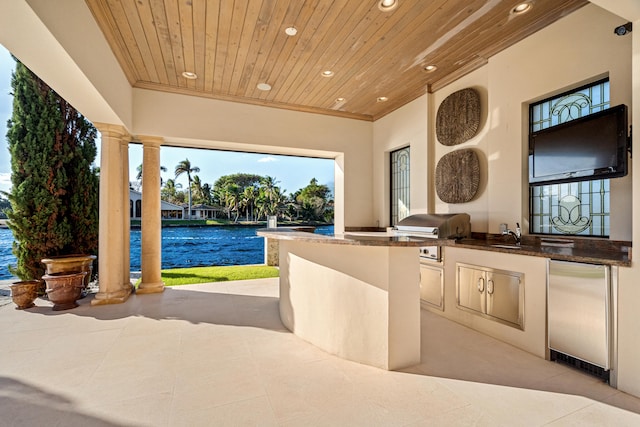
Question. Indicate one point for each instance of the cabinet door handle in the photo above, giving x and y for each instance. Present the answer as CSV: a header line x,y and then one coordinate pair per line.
x,y
490,286
480,284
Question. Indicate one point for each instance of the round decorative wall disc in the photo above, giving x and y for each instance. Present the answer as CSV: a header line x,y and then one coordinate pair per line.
x,y
458,117
458,176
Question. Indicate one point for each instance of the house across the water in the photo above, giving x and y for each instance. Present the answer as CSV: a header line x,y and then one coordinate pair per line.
x,y
168,210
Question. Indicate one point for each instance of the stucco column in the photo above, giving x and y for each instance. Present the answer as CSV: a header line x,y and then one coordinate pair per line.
x,y
151,259
113,287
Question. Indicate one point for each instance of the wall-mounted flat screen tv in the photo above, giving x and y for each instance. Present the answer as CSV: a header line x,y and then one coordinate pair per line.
x,y
591,147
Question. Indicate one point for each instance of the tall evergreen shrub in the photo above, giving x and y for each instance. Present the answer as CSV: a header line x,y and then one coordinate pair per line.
x,y
54,196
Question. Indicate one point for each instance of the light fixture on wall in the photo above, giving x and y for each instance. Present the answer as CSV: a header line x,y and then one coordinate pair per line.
x,y
387,5
623,29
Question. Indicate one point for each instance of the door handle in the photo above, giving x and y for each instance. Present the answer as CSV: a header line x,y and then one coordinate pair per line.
x,y
480,284
490,286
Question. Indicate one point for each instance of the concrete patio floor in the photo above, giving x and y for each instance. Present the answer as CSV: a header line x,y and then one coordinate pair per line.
x,y
217,354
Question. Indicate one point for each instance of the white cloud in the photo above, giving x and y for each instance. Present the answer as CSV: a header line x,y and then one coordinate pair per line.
x,y
267,159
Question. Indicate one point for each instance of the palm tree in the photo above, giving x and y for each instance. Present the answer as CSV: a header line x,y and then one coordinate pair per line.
x,y
196,187
206,194
185,167
232,199
169,191
269,190
248,199
270,197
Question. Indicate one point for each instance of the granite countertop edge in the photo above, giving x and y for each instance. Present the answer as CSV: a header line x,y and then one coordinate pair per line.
x,y
592,256
282,233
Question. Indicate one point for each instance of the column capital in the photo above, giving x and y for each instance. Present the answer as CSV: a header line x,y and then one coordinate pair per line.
x,y
113,131
150,140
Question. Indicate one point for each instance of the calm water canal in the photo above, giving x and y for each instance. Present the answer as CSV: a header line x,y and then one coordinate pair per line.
x,y
183,247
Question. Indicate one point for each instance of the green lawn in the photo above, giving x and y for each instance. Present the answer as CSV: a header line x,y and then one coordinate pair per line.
x,y
189,276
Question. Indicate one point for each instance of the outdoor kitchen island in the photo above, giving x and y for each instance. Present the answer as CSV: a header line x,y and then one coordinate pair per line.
x,y
357,297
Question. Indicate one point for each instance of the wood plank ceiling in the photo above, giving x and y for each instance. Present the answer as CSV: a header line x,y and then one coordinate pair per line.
x,y
233,45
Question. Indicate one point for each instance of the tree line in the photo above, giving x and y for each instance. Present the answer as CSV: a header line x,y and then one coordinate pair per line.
x,y
247,197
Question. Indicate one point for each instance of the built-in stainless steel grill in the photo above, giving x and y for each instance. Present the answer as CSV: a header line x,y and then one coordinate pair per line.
x,y
443,226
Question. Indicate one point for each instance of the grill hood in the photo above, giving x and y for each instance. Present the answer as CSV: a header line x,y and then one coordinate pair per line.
x,y
444,226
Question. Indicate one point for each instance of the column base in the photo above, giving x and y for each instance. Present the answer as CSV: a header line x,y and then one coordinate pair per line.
x,y
117,297
150,288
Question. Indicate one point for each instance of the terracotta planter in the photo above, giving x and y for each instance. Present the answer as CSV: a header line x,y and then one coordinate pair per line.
x,y
71,264
64,290
24,293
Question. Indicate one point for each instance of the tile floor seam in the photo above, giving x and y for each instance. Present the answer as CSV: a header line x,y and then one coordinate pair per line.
x,y
569,414
264,382
104,356
173,389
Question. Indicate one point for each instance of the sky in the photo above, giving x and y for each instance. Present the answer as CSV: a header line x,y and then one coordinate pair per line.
x,y
291,173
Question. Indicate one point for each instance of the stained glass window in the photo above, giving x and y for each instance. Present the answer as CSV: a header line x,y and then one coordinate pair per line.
x,y
577,208
400,197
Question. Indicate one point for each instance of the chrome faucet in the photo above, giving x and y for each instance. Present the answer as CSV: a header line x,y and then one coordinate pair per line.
x,y
517,235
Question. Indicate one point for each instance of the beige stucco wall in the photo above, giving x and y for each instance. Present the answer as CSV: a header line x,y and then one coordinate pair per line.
x,y
478,207
407,126
549,62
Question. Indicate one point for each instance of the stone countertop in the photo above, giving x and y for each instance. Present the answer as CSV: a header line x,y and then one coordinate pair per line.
x,y
354,239
592,255
587,253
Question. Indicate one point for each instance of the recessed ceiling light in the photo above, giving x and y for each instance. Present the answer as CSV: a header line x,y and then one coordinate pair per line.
x,y
382,99
291,31
430,68
264,86
340,99
522,8
189,75
327,73
387,5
